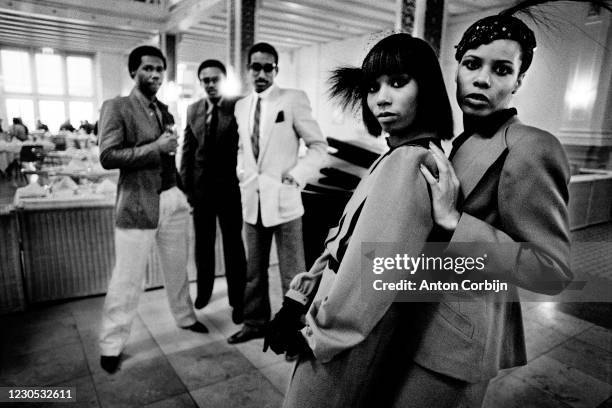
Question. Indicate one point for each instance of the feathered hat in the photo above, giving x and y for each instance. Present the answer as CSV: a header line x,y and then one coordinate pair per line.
x,y
505,26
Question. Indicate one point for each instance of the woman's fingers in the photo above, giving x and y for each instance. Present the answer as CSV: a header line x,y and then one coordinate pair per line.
x,y
428,176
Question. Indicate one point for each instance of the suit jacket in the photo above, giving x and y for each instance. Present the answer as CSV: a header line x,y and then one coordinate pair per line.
x,y
206,167
390,205
127,133
288,119
514,195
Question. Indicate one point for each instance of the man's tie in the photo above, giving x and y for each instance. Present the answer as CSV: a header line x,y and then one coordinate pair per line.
x,y
211,126
255,135
154,110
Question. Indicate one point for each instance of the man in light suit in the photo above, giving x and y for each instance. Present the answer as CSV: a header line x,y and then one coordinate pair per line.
x,y
208,171
271,122
150,208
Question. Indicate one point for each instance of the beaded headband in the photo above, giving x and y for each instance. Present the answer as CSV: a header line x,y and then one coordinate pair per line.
x,y
499,27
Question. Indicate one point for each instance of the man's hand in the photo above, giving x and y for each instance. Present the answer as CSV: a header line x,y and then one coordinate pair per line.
x,y
444,190
288,179
167,142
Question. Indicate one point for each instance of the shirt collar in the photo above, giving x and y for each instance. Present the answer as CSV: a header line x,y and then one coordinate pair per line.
x,y
488,125
142,98
265,94
209,104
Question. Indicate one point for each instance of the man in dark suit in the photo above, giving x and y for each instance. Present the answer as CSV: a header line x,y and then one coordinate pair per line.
x,y
150,208
208,171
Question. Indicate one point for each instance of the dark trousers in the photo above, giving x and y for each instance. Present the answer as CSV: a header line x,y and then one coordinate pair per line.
x,y
290,247
227,207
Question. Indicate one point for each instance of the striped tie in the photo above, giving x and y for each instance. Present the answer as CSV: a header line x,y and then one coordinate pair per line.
x,y
255,135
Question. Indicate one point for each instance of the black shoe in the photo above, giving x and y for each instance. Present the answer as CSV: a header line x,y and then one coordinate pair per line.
x,y
237,315
197,327
110,364
199,303
245,334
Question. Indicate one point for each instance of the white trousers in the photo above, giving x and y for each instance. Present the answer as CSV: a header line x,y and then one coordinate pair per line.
x,y
132,249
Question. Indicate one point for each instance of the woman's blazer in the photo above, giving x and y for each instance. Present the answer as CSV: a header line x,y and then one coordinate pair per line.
x,y
514,193
390,205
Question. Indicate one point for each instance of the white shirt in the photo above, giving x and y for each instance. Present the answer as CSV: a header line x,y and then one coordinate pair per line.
x,y
265,105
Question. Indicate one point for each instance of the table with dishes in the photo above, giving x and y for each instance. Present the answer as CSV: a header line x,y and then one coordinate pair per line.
x,y
60,234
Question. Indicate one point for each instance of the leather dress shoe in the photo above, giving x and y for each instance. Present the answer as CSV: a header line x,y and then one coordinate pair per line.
x,y
245,334
197,327
199,303
110,364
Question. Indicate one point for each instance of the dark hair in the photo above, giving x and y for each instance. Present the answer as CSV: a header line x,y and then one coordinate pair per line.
x,y
212,63
263,47
499,27
399,54
135,58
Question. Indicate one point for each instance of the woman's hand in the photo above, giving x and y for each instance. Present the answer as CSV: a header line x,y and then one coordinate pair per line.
x,y
282,330
444,190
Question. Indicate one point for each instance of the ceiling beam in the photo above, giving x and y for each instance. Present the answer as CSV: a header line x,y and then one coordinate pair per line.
x,y
320,21
39,21
188,12
56,11
65,10
346,17
55,30
347,9
36,41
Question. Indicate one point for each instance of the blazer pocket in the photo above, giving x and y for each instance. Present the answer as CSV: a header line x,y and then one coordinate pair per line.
x,y
288,198
455,319
280,117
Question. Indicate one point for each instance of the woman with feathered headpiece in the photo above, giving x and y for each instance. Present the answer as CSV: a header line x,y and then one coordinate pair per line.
x,y
350,332
508,199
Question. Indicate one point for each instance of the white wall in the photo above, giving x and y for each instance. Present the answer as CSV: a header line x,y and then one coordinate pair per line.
x,y
540,101
310,70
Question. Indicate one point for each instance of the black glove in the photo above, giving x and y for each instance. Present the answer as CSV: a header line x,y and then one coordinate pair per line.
x,y
281,331
296,345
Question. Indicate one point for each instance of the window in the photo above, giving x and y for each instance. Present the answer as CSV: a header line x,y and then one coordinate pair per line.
x,y
51,87
16,70
20,108
49,74
82,110
52,114
79,76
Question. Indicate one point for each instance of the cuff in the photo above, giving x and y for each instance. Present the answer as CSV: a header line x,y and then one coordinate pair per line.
x,y
297,296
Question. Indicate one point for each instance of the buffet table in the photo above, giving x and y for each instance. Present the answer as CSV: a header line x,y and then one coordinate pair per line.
x,y
67,248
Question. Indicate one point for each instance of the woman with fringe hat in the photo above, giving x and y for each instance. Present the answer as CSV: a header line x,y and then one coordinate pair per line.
x,y
351,330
